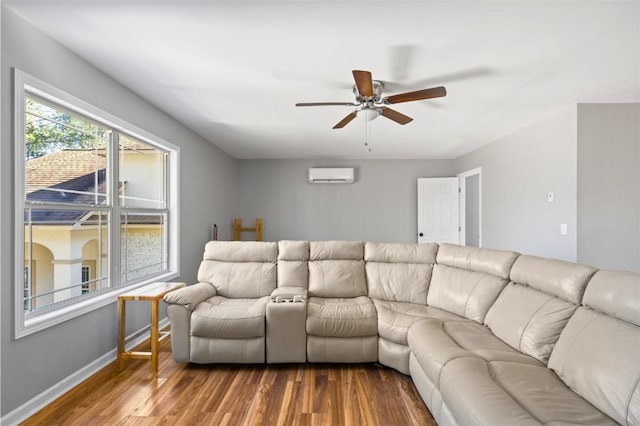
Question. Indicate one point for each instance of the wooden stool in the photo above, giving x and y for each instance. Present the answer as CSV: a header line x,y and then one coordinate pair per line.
x,y
238,229
152,293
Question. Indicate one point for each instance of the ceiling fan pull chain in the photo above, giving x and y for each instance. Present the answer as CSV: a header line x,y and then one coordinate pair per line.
x,y
367,132
366,140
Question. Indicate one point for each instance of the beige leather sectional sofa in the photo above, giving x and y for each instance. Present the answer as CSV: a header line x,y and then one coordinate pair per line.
x,y
489,337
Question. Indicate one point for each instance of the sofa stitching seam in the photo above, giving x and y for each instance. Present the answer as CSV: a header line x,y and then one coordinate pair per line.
x,y
197,314
524,330
466,303
564,360
628,404
454,388
324,285
473,356
510,395
228,279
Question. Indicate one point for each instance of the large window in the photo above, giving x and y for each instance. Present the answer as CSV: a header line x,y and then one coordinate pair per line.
x,y
96,206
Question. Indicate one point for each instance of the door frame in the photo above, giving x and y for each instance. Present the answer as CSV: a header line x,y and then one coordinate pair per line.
x,y
462,203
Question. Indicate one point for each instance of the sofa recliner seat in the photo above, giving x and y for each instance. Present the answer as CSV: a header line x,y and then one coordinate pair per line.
x,y
341,319
222,318
488,336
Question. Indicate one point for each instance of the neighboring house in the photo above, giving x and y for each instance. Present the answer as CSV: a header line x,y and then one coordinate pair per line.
x,y
68,255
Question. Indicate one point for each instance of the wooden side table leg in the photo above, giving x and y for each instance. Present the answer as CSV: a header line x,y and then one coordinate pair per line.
x,y
121,332
155,345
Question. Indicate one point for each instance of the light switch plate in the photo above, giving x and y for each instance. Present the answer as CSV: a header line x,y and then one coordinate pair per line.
x,y
563,229
551,197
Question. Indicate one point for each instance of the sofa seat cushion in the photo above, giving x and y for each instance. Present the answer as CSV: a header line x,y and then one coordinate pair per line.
x,y
348,317
503,392
221,317
395,318
435,343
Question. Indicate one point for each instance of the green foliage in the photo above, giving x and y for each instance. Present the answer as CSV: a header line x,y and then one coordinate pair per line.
x,y
48,130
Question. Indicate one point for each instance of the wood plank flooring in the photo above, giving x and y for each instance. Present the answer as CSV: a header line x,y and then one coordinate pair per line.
x,y
290,394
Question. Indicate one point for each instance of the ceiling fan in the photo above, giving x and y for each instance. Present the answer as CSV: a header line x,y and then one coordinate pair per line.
x,y
369,99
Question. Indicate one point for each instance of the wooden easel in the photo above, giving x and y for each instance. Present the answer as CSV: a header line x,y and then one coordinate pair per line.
x,y
238,229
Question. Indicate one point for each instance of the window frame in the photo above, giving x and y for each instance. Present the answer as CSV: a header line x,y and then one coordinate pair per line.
x,y
32,322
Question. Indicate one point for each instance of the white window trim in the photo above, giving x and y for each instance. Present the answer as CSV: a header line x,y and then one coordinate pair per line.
x,y
39,321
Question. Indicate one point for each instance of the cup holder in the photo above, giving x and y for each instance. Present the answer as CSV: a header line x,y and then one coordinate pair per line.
x,y
296,299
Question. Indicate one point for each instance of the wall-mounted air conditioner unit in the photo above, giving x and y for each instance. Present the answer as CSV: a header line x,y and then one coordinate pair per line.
x,y
331,175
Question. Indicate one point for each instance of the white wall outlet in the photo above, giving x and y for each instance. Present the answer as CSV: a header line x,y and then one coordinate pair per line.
x,y
551,197
563,229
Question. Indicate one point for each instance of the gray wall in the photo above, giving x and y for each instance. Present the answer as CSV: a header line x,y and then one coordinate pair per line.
x,y
609,185
517,172
34,363
380,206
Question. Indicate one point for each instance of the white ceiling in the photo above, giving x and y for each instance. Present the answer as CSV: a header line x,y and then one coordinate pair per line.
x,y
233,70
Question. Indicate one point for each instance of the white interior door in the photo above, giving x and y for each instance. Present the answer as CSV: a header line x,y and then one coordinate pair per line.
x,y
438,210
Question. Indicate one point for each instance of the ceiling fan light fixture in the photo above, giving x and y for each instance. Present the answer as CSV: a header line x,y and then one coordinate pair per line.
x,y
369,114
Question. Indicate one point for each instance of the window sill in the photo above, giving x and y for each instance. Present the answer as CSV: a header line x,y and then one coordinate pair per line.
x,y
39,322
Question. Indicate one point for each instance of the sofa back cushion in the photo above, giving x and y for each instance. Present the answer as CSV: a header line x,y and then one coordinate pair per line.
x,y
399,272
467,280
533,309
240,269
598,353
616,294
293,268
336,269
564,280
488,261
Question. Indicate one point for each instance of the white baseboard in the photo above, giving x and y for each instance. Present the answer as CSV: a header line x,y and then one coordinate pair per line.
x,y
45,398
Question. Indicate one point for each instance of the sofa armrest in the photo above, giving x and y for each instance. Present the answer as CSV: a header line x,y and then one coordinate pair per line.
x,y
180,318
190,296
289,294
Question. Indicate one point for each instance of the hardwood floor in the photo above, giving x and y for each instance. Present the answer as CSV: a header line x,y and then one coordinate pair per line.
x,y
188,394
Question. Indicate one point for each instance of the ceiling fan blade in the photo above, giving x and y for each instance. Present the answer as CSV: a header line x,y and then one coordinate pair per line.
x,y
394,115
460,75
401,57
345,120
434,92
364,83
306,104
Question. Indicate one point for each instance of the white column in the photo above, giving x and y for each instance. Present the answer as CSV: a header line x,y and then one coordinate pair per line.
x,y
67,272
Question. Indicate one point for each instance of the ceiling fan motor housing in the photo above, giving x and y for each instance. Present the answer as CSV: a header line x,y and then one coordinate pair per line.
x,y
377,92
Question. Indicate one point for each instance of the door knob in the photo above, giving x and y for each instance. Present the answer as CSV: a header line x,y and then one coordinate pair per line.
x,y
421,234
